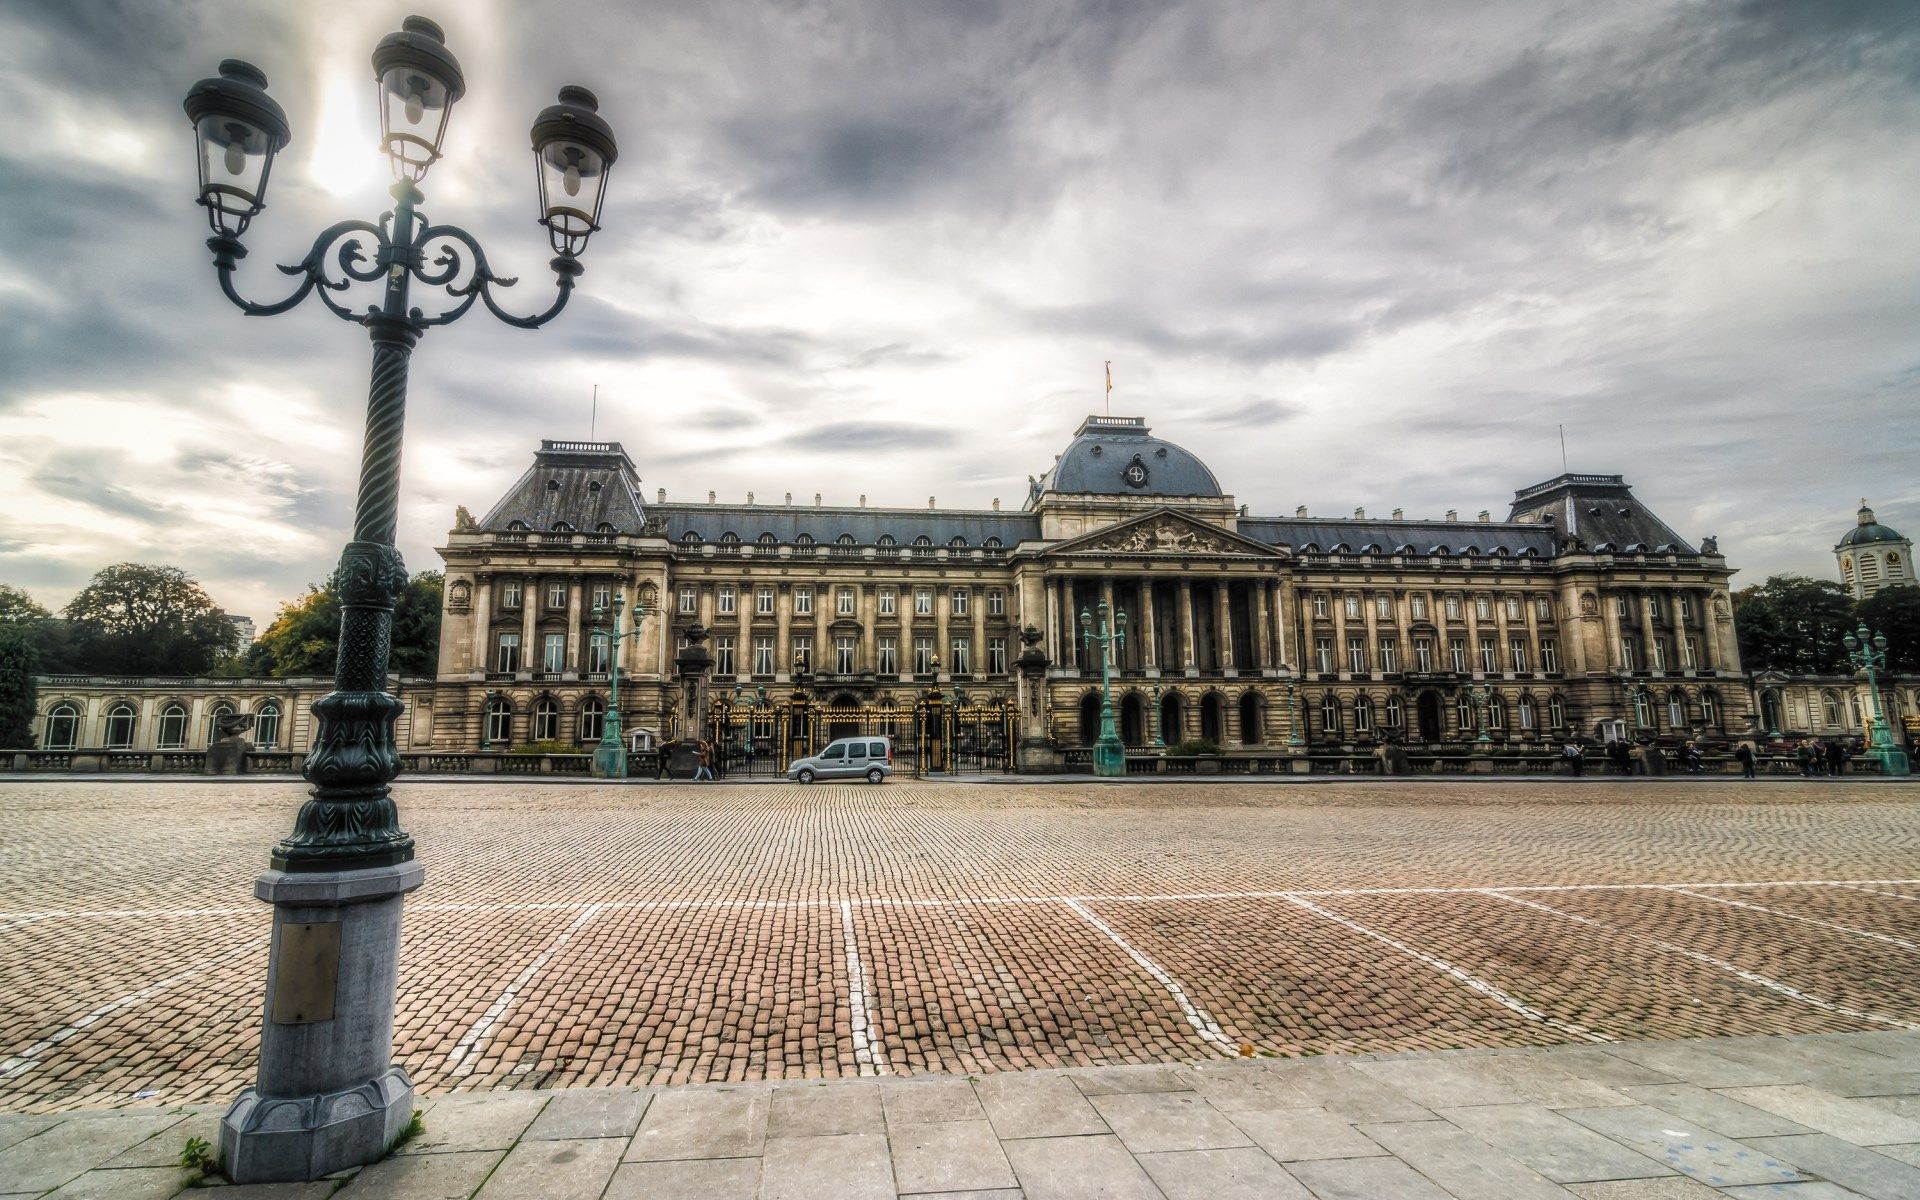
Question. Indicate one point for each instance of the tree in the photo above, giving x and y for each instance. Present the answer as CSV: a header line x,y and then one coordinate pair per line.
x,y
1793,624
18,608
305,635
137,619
19,659
1895,612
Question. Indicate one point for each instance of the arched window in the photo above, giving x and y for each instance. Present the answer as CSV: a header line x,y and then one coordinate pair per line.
x,y
767,539
805,539
593,715
1710,709
500,721
993,543
563,527
546,719
690,538
173,727
266,725
1556,711
1496,711
1395,716
1831,703
214,716
1529,716
605,527
1676,709
1463,713
845,539
1363,714
844,545
1642,709
957,542
120,724
886,539
1250,731
63,727
1329,713
516,526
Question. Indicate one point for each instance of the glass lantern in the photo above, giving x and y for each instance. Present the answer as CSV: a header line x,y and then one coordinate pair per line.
x,y
419,80
238,129
573,151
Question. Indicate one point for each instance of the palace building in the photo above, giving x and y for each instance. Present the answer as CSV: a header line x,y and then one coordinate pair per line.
x,y
1579,613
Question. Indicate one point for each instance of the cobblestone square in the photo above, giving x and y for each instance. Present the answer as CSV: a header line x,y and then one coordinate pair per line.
x,y
576,935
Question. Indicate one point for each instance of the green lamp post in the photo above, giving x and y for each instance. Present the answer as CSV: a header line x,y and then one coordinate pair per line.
x,y
1295,718
1478,692
1159,739
1867,651
610,756
1109,755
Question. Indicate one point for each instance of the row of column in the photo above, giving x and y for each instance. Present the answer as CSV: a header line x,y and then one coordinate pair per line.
x,y
1715,653
745,623
1178,649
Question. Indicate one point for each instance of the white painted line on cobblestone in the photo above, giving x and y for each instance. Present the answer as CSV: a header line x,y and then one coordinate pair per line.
x,y
1772,985
1877,892
29,1058
1448,969
459,1059
1198,1017
865,1048
11,925
1774,912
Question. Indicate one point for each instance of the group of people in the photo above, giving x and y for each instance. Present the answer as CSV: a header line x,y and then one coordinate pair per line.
x,y
1821,758
1814,757
706,754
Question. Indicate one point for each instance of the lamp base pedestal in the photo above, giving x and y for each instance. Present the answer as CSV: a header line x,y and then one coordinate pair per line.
x,y
327,1095
1893,760
1109,757
609,762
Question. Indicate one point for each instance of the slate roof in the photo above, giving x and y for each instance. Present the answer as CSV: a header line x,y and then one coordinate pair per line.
x,y
1601,511
825,525
587,485
1424,537
1100,452
1868,530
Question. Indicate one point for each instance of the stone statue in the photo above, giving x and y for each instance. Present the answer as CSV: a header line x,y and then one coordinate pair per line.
x,y
463,520
1709,545
228,755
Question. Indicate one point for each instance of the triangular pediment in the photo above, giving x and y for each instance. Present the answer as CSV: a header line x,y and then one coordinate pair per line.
x,y
1165,531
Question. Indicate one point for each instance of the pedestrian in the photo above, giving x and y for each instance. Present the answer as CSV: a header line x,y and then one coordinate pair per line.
x,y
1576,761
1744,752
705,770
1620,755
1690,754
1836,759
1803,755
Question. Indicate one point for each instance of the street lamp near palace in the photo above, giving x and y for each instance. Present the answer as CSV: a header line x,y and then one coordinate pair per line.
x,y
610,756
327,1095
1109,754
1153,697
486,721
1295,718
1867,652
1478,693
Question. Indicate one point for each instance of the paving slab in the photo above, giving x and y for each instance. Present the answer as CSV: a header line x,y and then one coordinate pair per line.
x,y
1462,1163
1339,1088
1295,1134
848,1166
1039,1106
1231,1087
1108,1081
454,1175
590,1113
1686,1147
1155,1121
1849,1120
1715,1110
1365,1179
1234,1174
919,1101
824,1109
948,1156
1675,1187
1558,1148
701,1179
702,1123
163,1149
477,1121
20,1128
77,1144
555,1170
1438,1082
1075,1168
1696,1063
1816,1189
322,1190
1539,1079
1878,1176
1599,1066
1906,1154
125,1183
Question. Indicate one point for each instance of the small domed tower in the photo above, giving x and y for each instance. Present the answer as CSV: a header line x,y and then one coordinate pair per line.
x,y
1873,557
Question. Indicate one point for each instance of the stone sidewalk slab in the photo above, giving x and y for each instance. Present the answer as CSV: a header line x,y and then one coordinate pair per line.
x,y
1671,1121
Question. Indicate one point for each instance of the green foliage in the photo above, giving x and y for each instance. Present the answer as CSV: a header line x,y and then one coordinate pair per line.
x,y
19,659
136,619
197,1156
18,608
1194,747
414,1129
547,747
1895,612
304,637
1794,624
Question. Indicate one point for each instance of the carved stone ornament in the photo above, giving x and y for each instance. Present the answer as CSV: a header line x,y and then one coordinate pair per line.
x,y
1163,535
371,574
233,724
459,596
1589,604
655,527
1720,607
463,520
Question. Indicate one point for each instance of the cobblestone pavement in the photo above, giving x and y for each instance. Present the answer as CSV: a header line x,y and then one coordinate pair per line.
x,y
1814,1117
573,936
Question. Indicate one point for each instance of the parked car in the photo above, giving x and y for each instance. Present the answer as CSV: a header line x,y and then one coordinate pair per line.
x,y
847,758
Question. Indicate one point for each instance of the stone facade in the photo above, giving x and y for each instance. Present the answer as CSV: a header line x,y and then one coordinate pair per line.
x,y
147,715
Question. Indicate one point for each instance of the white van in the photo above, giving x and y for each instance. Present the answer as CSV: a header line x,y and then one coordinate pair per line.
x,y
847,758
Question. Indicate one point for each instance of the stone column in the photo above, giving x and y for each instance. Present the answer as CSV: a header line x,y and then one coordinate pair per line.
x,y
1645,600
1186,628
1262,624
1339,604
1149,651
1403,625
1370,613
869,613
1502,634
823,605
573,658
979,610
909,614
530,624
482,627
782,633
942,645
1470,609
1223,631
1616,637
1286,626
1113,611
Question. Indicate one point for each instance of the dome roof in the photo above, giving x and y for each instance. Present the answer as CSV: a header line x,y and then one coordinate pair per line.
x,y
1119,456
1869,530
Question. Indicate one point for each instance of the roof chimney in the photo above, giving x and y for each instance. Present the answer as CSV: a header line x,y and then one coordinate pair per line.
x,y
663,497
1359,514
996,504
930,502
1453,514
863,500
789,499
1399,514
711,496
749,497
816,499
1301,511
1485,516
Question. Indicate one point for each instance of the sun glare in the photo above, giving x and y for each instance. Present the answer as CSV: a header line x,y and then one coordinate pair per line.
x,y
345,151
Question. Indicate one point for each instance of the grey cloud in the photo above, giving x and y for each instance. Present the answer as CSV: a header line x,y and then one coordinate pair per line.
x,y
867,437
1254,411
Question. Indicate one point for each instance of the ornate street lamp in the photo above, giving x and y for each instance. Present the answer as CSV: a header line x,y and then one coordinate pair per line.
x,y
1109,755
486,721
1153,694
610,756
1478,693
328,1095
1295,718
1867,652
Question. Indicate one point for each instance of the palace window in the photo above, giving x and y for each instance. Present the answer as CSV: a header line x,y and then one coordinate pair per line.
x,y
1528,716
763,601
803,601
1710,709
1383,606
1620,606
1543,608
1457,655
723,655
889,601
803,652
844,602
923,602
962,661
923,656
556,596
1676,709
510,593
1659,654
1642,709
1549,656
1319,604
1689,652
1329,713
889,653
1323,654
689,600
173,727
1556,711
763,654
996,656
1393,713
600,653
553,653
602,595
1363,713
726,600
593,714
1464,715
1832,704
996,603
1517,653
1487,663
266,725
1389,654
843,546
1629,653
546,719
1453,608
960,601
1356,655
1419,605
508,657
120,722
1496,711
843,651
1686,607
1353,606
1482,607
500,721
1513,608
63,727
1423,654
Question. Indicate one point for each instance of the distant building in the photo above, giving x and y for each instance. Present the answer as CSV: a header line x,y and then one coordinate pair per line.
x,y
244,626
1873,557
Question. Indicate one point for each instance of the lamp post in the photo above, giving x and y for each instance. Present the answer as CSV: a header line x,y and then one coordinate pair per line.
x,y
610,757
1631,700
1159,739
1295,718
486,721
1478,692
327,1095
1109,755
1867,651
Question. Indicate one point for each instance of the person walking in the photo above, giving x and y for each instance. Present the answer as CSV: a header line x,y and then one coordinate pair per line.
x,y
1836,758
1803,755
1744,753
1690,754
1620,755
705,769
1576,761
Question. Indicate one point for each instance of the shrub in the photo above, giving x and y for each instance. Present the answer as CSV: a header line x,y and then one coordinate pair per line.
x,y
1193,748
549,747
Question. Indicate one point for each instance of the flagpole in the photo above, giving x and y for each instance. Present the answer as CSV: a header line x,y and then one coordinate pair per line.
x,y
593,422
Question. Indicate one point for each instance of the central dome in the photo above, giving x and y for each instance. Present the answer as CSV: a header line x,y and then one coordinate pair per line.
x,y
1119,456
1869,530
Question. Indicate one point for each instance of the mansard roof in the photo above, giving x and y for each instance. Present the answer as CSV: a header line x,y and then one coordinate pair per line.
x,y
1096,462
1599,510
712,522
1400,537
585,486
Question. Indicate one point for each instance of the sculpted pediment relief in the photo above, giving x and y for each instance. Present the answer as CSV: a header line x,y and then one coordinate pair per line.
x,y
1164,533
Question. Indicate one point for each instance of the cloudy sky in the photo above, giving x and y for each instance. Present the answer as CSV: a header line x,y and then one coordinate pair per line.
x,y
1350,252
